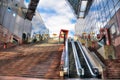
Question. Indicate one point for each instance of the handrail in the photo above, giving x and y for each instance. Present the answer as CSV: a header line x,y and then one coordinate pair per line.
x,y
89,57
101,63
77,62
100,44
66,61
93,54
92,73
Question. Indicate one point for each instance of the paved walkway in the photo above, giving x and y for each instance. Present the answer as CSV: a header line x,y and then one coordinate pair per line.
x,y
33,61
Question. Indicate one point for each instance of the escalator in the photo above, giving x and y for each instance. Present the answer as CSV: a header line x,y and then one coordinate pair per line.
x,y
87,73
72,67
78,61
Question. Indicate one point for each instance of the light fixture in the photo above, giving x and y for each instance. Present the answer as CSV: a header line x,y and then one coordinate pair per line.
x,y
14,14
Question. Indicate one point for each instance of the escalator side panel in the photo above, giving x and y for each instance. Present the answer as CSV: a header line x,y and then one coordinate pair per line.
x,y
72,67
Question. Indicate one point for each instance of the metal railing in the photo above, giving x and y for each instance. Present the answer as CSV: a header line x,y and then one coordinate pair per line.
x,y
66,58
88,64
77,62
99,43
96,57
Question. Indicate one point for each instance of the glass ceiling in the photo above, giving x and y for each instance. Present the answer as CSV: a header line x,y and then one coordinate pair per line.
x,y
83,5
80,7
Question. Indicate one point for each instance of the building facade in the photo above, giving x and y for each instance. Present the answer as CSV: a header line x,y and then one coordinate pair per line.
x,y
38,25
100,14
12,21
103,14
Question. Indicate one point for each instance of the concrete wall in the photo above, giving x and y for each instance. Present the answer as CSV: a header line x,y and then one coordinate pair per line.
x,y
118,18
22,26
13,22
2,12
9,20
27,26
115,38
18,29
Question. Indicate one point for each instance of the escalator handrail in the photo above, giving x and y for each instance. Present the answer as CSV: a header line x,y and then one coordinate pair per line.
x,y
66,63
100,44
92,73
93,54
77,62
89,57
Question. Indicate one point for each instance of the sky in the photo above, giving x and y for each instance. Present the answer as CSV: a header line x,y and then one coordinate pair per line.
x,y
56,15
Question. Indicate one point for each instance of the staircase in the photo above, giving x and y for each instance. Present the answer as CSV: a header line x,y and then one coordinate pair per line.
x,y
113,69
33,61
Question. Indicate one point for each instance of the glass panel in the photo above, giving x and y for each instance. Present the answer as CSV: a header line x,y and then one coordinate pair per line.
x,y
107,10
112,13
111,5
115,1
117,6
107,19
104,2
104,12
83,5
81,14
9,9
113,29
104,23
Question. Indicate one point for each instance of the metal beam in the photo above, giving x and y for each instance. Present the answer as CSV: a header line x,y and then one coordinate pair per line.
x,y
31,9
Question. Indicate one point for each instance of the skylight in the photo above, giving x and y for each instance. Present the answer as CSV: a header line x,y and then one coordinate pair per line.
x,y
81,14
83,5
83,8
